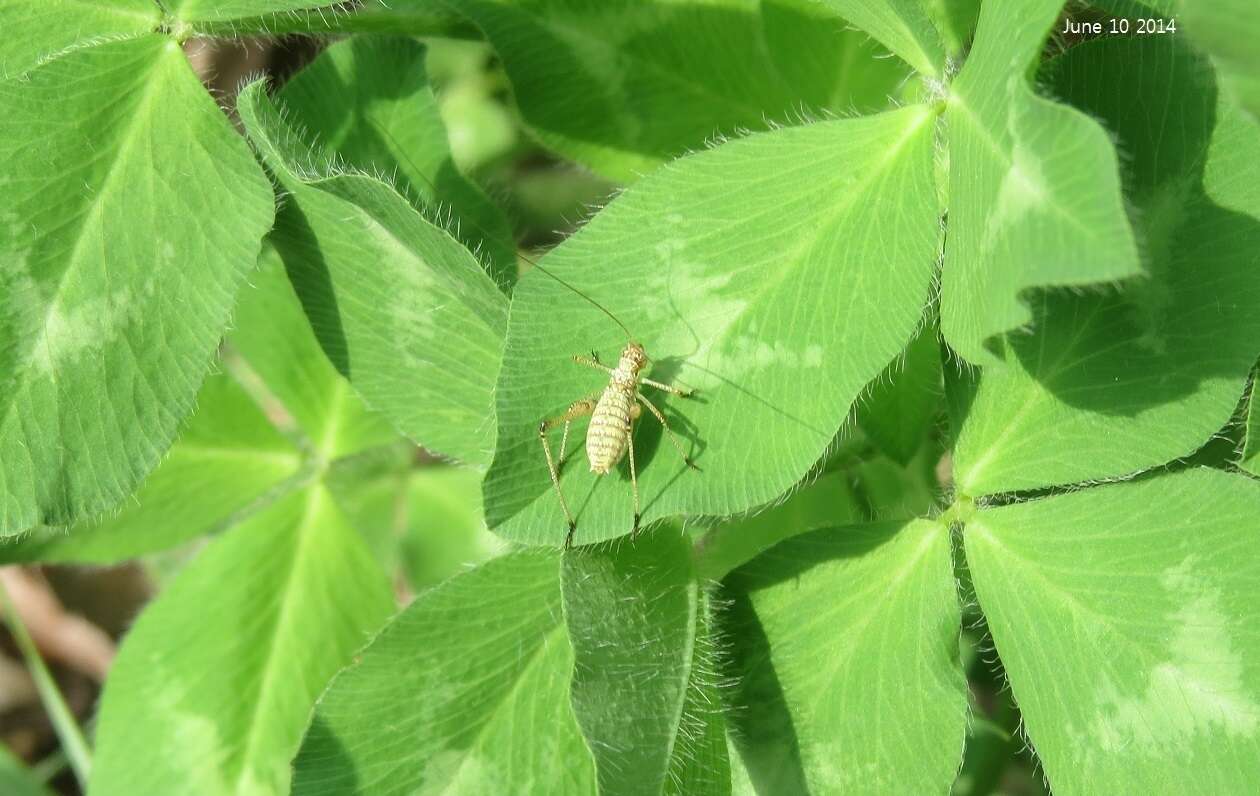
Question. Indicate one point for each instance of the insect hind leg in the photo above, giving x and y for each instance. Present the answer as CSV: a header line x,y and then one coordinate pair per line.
x,y
669,432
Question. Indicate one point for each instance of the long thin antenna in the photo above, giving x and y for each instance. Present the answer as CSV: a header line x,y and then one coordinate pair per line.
x,y
399,150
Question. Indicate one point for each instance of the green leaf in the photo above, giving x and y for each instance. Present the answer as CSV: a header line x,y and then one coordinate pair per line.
x,y
900,25
745,271
1251,444
423,522
273,335
1112,382
39,30
825,503
227,458
115,282
1228,30
16,779
446,531
636,614
368,100
1126,619
464,692
622,85
211,10
845,651
400,307
900,409
956,20
412,19
1034,189
215,683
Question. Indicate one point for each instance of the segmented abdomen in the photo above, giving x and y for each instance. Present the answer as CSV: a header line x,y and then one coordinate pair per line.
x,y
609,432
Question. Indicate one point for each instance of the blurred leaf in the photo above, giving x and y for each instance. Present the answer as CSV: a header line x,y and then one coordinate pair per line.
x,y
39,30
446,531
115,284
368,100
1126,618
16,779
1229,31
900,408
845,651
480,128
1115,382
400,307
425,522
893,491
644,677
464,692
743,270
624,85
215,683
1136,8
1020,216
275,338
825,503
228,457
900,25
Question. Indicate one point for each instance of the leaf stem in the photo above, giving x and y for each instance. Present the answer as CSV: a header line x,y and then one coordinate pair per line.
x,y
72,740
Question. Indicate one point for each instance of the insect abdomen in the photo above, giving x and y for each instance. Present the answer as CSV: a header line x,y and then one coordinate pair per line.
x,y
609,431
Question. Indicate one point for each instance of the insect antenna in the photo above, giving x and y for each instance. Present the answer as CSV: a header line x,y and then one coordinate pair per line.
x,y
399,151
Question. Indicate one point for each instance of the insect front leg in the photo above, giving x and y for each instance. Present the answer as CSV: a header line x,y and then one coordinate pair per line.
x,y
592,362
656,385
669,432
575,410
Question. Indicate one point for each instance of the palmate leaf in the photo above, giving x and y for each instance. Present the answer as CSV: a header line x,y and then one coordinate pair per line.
x,y
36,30
902,26
215,683
1034,191
231,462
1114,382
464,692
227,457
401,308
1126,619
645,672
115,282
762,273
845,650
623,85
1228,30
368,100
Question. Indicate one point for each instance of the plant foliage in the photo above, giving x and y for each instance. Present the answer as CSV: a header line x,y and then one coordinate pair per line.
x,y
934,271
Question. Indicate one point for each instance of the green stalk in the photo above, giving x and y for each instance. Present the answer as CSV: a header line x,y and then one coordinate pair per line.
x,y
63,722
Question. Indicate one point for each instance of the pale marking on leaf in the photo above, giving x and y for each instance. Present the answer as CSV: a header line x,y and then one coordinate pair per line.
x,y
1023,189
1199,690
92,325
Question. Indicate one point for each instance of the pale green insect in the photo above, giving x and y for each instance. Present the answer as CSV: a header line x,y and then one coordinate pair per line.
x,y
610,434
